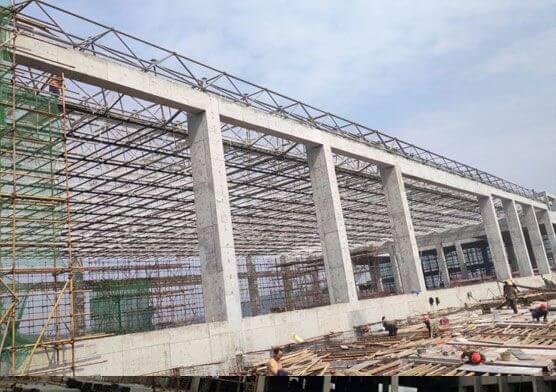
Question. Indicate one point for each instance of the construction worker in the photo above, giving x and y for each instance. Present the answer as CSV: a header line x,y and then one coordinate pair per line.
x,y
432,327
510,295
274,364
473,357
55,85
540,311
390,326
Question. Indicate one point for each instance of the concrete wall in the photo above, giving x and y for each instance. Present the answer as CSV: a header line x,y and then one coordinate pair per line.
x,y
215,343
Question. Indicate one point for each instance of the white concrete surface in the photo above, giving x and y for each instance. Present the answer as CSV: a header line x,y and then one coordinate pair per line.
x,y
331,227
214,343
214,220
403,234
544,219
518,239
535,238
494,237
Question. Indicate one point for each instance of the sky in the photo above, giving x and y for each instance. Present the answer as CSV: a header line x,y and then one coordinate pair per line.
x,y
472,80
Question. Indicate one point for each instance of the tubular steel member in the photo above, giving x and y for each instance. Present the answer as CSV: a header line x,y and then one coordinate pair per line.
x,y
32,132
181,69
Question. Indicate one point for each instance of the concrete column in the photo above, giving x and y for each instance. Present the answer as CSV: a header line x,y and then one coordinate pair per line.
x,y
532,225
442,265
503,384
214,221
332,231
253,286
195,384
544,219
326,383
477,384
261,383
405,244
542,385
494,237
395,383
461,260
518,239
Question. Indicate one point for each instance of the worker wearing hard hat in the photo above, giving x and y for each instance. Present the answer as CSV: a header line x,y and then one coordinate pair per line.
x,y
510,295
473,357
540,311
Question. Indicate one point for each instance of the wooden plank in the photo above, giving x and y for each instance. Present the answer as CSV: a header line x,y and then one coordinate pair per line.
x,y
383,367
523,346
440,361
520,325
526,371
363,365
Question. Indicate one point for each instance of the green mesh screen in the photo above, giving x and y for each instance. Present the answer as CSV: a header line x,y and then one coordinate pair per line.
x,y
121,306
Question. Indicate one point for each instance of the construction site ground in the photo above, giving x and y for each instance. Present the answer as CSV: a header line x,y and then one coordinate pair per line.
x,y
513,344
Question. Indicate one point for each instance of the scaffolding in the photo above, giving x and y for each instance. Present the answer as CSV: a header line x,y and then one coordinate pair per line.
x,y
35,235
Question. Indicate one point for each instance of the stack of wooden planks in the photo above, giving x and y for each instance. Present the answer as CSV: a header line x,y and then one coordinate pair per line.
x,y
412,353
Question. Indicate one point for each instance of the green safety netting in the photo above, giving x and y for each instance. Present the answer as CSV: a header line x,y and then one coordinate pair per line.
x,y
121,306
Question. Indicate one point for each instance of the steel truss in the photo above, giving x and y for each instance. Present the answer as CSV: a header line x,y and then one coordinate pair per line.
x,y
126,170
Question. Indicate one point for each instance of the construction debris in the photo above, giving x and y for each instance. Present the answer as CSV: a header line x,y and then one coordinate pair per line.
x,y
512,345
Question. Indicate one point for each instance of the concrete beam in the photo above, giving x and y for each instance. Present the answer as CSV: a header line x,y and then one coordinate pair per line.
x,y
442,265
330,220
108,74
214,220
537,245
494,237
544,219
518,239
403,234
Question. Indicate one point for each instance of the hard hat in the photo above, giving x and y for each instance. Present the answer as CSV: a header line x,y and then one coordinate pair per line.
x,y
475,358
509,282
543,306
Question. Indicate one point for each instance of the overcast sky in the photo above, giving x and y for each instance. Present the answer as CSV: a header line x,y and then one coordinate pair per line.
x,y
472,80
